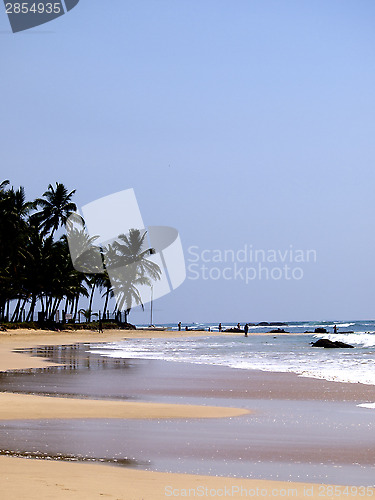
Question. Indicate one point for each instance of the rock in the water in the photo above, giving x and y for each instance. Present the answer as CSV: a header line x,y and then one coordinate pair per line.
x,y
331,345
279,330
320,330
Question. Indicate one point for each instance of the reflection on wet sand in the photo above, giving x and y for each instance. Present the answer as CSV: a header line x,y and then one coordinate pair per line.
x,y
302,429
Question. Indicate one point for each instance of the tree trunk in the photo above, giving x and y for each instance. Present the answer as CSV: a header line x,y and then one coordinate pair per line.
x,y
106,302
30,316
91,299
76,308
16,310
22,309
56,306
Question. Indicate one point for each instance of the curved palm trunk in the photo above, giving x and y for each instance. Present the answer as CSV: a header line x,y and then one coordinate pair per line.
x,y
49,307
30,316
106,301
76,308
91,299
16,311
42,305
22,310
55,307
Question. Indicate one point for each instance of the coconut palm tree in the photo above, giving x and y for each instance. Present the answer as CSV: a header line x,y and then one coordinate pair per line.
x,y
87,314
128,267
35,268
131,249
56,207
14,227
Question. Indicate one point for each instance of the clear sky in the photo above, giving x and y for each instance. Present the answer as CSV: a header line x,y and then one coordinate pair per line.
x,y
238,123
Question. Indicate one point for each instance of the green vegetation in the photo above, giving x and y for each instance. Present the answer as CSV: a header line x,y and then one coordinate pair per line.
x,y
36,269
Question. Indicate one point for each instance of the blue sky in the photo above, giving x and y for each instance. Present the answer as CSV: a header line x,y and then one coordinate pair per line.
x,y
247,122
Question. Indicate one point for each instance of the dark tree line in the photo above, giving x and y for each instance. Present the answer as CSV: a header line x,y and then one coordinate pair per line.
x,y
36,269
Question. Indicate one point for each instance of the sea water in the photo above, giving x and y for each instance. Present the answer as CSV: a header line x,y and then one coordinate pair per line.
x,y
274,353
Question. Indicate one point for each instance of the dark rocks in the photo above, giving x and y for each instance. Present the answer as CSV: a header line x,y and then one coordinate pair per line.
x,y
234,330
279,330
328,344
274,323
320,330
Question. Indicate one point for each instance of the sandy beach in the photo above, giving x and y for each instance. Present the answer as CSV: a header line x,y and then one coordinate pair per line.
x,y
153,400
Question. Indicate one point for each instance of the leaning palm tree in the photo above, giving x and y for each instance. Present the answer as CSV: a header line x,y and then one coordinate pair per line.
x,y
56,207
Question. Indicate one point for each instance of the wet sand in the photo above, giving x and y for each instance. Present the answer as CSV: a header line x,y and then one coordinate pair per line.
x,y
301,429
36,479
102,377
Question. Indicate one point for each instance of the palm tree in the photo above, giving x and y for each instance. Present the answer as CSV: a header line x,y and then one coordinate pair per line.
x,y
37,268
131,250
86,256
56,207
33,267
105,283
14,227
87,313
128,267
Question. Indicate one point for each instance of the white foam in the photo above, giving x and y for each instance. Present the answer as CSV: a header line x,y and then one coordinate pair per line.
x,y
331,325
367,405
361,339
289,355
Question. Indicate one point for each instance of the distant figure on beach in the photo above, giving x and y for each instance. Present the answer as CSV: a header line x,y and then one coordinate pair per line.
x,y
186,329
239,326
219,327
246,329
179,326
100,325
335,329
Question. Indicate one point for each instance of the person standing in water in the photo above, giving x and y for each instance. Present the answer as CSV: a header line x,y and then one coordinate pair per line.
x,y
219,327
246,329
335,329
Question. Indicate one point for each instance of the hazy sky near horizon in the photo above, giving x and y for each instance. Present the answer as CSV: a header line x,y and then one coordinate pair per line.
x,y
241,124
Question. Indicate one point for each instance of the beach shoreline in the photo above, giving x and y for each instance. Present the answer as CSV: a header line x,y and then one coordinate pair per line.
x,y
12,340
138,484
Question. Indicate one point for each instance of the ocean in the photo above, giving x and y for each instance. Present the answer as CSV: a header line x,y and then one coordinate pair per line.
x,y
273,353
